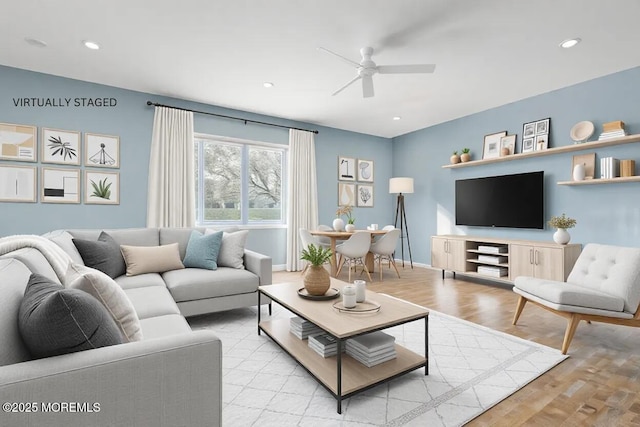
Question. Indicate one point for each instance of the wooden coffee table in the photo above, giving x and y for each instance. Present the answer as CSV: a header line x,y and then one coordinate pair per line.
x,y
342,375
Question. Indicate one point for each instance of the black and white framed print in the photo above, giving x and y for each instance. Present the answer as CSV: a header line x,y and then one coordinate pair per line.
x,y
365,196
365,170
528,130
60,185
491,146
60,146
18,184
18,142
542,126
528,145
101,151
542,142
101,188
346,168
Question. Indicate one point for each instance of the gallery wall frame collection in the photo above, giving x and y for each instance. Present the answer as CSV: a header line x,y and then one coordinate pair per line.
x,y
19,143
350,171
535,135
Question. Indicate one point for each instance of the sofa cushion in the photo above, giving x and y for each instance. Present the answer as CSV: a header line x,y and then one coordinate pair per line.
x,y
152,301
14,277
64,239
54,320
112,297
140,281
162,326
151,259
202,250
569,294
232,249
102,254
195,283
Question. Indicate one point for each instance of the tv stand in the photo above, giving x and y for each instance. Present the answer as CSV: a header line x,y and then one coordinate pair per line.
x,y
502,260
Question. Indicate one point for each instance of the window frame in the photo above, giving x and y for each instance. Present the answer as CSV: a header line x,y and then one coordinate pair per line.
x,y
245,145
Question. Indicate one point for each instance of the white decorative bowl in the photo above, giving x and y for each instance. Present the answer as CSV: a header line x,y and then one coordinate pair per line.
x,y
582,131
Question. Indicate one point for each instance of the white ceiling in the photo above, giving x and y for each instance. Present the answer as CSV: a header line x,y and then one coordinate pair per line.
x,y
488,53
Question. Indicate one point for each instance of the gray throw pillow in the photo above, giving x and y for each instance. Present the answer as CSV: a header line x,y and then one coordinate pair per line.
x,y
103,254
53,320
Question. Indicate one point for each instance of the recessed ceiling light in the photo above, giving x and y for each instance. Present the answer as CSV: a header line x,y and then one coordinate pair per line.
x,y
397,118
570,42
91,45
267,84
35,42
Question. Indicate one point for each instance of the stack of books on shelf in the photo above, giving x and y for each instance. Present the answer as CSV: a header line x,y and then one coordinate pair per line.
x,y
372,349
609,167
323,344
493,271
492,259
612,130
493,249
303,328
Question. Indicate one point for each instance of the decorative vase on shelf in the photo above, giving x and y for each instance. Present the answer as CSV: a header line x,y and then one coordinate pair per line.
x,y
579,172
454,159
561,236
338,224
465,157
316,280
350,228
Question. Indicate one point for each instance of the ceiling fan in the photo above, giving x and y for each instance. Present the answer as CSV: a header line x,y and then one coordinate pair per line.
x,y
367,68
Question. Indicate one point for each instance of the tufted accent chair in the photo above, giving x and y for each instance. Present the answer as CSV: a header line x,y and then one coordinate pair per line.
x,y
603,286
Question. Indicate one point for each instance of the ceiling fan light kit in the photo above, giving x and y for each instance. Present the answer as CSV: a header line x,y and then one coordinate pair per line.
x,y
366,69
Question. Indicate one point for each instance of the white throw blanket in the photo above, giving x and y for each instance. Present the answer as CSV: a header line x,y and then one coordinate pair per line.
x,y
56,256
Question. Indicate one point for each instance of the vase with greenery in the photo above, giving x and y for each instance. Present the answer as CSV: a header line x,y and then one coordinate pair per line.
x,y
346,210
466,155
455,158
316,279
561,223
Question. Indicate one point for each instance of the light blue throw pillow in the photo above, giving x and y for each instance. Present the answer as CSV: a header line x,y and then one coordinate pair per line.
x,y
202,250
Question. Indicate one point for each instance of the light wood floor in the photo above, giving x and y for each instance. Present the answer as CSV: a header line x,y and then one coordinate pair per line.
x,y
599,384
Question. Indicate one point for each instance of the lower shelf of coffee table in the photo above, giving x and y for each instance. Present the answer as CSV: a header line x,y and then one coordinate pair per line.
x,y
355,375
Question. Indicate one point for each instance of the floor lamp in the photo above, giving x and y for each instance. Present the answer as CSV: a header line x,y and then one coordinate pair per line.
x,y
402,186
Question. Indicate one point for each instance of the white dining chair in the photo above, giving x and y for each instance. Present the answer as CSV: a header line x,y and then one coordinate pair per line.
x,y
384,248
324,241
354,249
306,238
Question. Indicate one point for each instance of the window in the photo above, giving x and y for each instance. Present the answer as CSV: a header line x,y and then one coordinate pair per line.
x,y
239,182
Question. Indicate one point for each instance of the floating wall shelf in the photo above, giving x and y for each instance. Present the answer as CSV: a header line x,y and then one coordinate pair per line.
x,y
557,150
602,181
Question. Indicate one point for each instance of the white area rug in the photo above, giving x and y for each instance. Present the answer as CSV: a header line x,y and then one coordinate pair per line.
x,y
471,368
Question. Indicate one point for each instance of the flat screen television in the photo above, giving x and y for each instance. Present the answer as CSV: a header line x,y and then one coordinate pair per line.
x,y
514,201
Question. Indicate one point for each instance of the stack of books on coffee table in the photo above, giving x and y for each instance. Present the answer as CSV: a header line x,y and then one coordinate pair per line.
x,y
323,344
303,328
372,349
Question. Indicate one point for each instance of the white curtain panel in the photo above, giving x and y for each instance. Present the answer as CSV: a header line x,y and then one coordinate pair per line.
x,y
171,196
302,200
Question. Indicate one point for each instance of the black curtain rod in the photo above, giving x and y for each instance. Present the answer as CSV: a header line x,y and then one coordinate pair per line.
x,y
230,117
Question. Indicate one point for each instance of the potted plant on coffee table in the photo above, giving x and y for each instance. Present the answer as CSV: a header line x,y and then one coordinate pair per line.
x,y
316,279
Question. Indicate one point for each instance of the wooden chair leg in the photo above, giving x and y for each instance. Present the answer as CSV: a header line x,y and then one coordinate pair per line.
x,y
349,270
521,302
367,270
570,332
340,264
380,266
393,262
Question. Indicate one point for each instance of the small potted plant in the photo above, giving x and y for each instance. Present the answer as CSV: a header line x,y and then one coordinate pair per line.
x,y
455,158
561,223
316,279
345,210
466,155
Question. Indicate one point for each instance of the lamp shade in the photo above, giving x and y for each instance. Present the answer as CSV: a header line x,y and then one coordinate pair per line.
x,y
401,184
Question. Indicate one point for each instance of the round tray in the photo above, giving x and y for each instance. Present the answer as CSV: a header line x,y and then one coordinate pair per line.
x,y
366,307
332,293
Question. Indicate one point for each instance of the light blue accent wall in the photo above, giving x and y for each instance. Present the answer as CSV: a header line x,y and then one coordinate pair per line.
x,y
132,121
608,214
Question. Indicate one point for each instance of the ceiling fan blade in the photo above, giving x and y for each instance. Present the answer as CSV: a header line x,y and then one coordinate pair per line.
x,y
406,69
367,86
347,60
346,85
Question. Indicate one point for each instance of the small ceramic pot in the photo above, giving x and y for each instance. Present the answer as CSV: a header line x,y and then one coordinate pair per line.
x,y
561,236
350,228
465,157
454,159
338,224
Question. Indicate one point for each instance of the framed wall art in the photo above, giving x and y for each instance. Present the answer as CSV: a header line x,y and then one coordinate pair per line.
x,y
60,185
491,146
346,169
346,194
539,131
60,146
365,196
18,184
589,162
508,142
101,150
101,188
528,145
542,142
18,142
365,170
